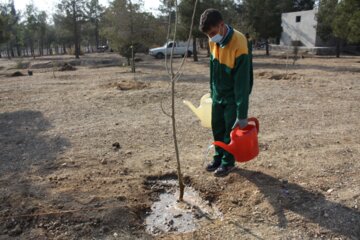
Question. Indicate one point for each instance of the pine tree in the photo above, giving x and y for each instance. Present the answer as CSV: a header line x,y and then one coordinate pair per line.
x,y
93,14
72,12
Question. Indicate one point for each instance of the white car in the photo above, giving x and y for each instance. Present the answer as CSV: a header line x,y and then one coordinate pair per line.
x,y
179,50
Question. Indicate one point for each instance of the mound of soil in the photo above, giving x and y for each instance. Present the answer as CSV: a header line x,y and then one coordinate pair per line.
x,y
23,65
67,67
278,76
126,85
16,74
42,65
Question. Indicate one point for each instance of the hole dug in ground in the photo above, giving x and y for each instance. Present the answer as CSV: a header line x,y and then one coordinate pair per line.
x,y
167,214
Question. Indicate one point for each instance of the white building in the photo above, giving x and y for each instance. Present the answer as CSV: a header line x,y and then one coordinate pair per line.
x,y
299,27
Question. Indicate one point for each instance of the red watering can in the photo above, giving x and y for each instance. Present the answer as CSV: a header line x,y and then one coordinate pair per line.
x,y
244,142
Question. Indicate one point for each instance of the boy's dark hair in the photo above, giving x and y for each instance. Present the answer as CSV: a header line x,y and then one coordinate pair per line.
x,y
209,18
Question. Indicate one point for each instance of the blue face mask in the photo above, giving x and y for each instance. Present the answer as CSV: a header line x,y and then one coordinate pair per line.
x,y
217,38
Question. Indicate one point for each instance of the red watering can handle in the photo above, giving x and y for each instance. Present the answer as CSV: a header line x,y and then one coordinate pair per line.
x,y
256,123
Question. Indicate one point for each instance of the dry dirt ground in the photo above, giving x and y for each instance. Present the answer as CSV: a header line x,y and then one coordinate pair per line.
x,y
62,178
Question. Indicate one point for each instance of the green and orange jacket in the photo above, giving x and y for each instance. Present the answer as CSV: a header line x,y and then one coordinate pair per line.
x,y
230,72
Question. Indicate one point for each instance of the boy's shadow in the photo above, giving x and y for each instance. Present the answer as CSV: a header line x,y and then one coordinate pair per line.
x,y
311,205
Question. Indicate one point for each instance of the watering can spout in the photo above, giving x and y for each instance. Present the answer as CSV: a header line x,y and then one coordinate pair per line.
x,y
192,108
224,146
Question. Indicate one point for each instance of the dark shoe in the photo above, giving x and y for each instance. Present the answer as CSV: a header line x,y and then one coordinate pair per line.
x,y
213,166
223,171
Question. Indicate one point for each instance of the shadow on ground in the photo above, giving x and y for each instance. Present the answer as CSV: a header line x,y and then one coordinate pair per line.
x,y
23,143
311,205
27,156
32,206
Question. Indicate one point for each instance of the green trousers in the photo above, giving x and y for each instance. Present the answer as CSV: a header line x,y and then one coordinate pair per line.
x,y
222,119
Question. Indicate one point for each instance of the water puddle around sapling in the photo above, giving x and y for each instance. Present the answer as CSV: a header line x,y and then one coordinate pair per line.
x,y
169,215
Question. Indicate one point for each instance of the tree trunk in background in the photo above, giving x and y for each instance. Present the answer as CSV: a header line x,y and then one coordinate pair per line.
x,y
96,34
42,46
31,48
18,50
338,48
12,51
76,33
64,48
195,50
201,43
267,47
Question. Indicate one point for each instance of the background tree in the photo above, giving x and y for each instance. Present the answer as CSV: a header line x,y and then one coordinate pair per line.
x,y
120,29
264,16
63,31
4,35
125,25
302,5
93,14
11,27
31,28
325,18
50,39
72,11
354,24
346,23
42,27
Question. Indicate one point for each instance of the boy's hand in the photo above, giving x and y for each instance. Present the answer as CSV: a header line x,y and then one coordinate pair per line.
x,y
242,123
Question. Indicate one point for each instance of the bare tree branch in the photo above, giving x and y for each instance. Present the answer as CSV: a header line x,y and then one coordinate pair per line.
x,y
162,108
173,78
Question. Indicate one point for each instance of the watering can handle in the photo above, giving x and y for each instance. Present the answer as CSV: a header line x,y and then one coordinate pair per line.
x,y
256,123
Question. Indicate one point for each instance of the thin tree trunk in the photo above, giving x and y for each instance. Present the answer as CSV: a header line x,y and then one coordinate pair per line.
x,y
201,43
76,34
338,48
64,48
267,47
173,78
97,34
132,60
18,50
173,120
12,51
195,50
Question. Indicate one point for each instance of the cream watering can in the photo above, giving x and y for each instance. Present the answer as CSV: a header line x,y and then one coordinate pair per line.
x,y
203,112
